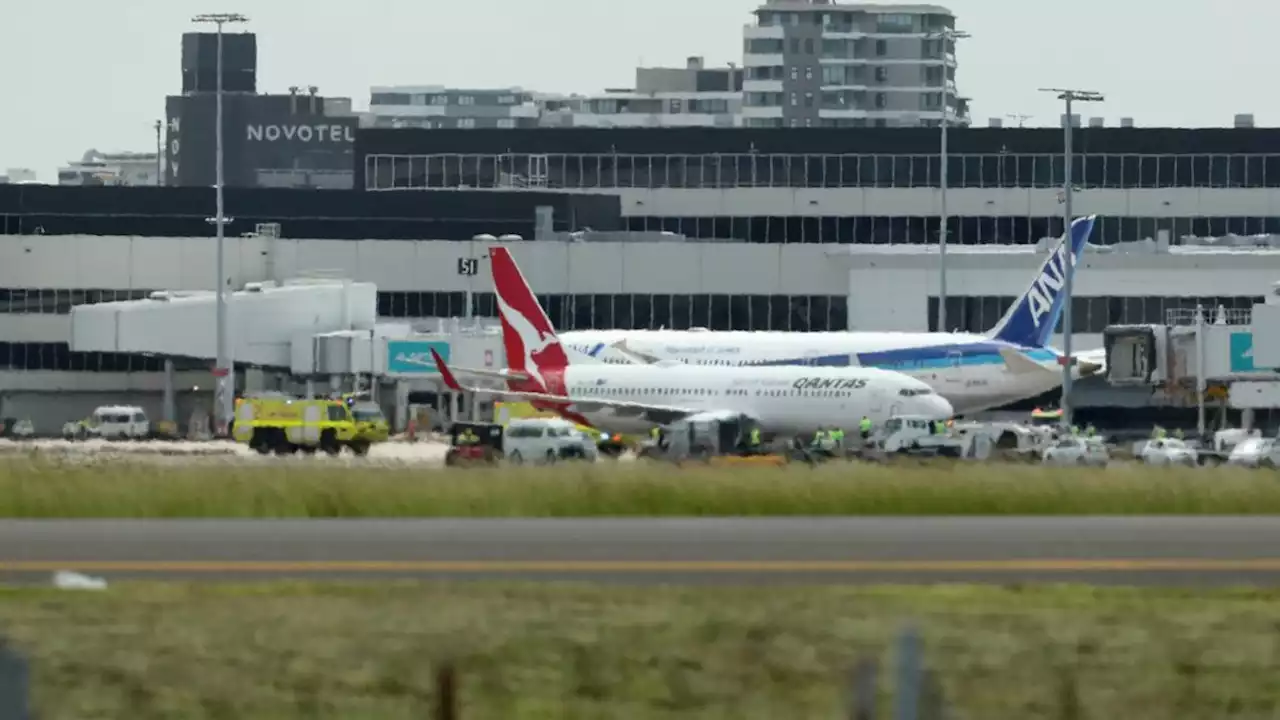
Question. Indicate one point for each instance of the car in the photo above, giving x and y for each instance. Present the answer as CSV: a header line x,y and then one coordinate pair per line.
x,y
547,440
1169,451
111,422
1255,452
1077,451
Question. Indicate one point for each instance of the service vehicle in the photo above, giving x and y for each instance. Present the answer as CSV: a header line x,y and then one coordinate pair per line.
x,y
283,424
1224,444
611,445
714,438
1014,441
19,429
1255,452
1046,418
547,440
914,434
475,443
111,422
1077,450
1168,451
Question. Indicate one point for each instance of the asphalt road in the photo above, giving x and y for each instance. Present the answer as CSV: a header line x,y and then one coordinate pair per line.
x,y
1126,550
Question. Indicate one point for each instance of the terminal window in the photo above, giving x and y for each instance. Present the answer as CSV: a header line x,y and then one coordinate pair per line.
x,y
1089,314
735,170
802,313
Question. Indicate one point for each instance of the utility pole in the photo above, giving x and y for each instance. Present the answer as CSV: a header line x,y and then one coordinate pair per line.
x,y
159,154
947,36
224,371
1068,96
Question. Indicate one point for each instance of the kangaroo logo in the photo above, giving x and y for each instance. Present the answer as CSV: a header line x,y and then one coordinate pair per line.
x,y
533,342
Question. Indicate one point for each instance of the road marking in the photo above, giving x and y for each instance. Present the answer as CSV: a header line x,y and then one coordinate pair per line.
x,y
649,566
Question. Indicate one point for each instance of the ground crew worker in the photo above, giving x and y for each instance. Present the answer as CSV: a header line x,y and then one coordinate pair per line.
x,y
864,427
837,438
1090,430
753,440
655,432
817,437
466,437
822,439
939,427
1075,430
1158,433
1178,434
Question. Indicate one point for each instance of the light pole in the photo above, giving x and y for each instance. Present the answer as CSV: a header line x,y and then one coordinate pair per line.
x,y
159,154
1068,96
224,383
943,154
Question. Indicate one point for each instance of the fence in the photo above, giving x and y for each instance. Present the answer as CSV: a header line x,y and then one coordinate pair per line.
x,y
917,691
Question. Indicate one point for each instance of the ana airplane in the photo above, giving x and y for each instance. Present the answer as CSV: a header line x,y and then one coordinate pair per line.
x,y
787,400
973,371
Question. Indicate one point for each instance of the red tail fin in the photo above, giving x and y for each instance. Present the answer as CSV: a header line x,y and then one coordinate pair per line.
x,y
530,340
446,374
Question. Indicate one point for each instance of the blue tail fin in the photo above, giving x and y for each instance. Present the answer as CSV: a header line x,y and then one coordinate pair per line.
x,y
1031,320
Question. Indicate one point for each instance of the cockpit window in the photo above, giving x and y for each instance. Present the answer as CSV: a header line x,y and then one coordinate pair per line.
x,y
913,392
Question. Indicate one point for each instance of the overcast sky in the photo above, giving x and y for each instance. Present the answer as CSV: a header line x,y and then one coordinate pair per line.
x,y
82,74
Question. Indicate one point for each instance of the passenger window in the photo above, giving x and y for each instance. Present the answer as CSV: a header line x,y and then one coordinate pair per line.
x,y
337,413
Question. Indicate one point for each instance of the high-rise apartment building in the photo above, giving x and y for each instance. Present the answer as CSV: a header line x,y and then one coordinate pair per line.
x,y
816,63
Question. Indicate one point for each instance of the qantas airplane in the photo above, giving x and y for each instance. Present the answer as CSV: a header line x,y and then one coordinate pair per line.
x,y
975,372
784,399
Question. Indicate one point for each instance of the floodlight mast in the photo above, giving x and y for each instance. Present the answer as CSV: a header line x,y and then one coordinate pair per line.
x,y
1068,96
224,370
944,156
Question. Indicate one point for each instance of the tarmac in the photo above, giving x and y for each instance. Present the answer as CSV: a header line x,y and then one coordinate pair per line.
x,y
1188,551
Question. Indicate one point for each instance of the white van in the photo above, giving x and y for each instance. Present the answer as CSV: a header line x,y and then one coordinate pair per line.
x,y
546,440
111,422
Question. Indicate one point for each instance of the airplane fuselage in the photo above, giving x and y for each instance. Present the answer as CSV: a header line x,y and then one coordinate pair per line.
x,y
784,399
965,368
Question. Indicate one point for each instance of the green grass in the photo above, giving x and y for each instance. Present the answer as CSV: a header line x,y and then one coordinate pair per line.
x,y
39,488
562,651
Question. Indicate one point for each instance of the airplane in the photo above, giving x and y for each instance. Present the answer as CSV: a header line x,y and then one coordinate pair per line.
x,y
786,400
973,371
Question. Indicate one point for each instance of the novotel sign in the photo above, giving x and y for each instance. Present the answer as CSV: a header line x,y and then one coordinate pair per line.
x,y
302,133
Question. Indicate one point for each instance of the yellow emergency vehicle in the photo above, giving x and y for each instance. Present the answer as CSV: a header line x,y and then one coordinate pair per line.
x,y
282,424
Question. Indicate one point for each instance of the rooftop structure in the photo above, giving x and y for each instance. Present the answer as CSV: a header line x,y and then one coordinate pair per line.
x,y
816,63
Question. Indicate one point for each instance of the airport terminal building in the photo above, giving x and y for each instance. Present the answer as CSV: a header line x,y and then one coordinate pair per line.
x,y
788,229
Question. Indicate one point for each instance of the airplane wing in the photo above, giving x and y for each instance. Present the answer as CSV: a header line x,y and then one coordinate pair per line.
x,y
656,414
1020,364
635,356
1091,362
487,373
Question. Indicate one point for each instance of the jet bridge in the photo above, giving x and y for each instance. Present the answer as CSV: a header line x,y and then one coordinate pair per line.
x,y
310,329
1227,356
263,320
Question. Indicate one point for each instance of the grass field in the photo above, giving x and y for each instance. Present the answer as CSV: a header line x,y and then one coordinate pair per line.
x,y
36,488
548,651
